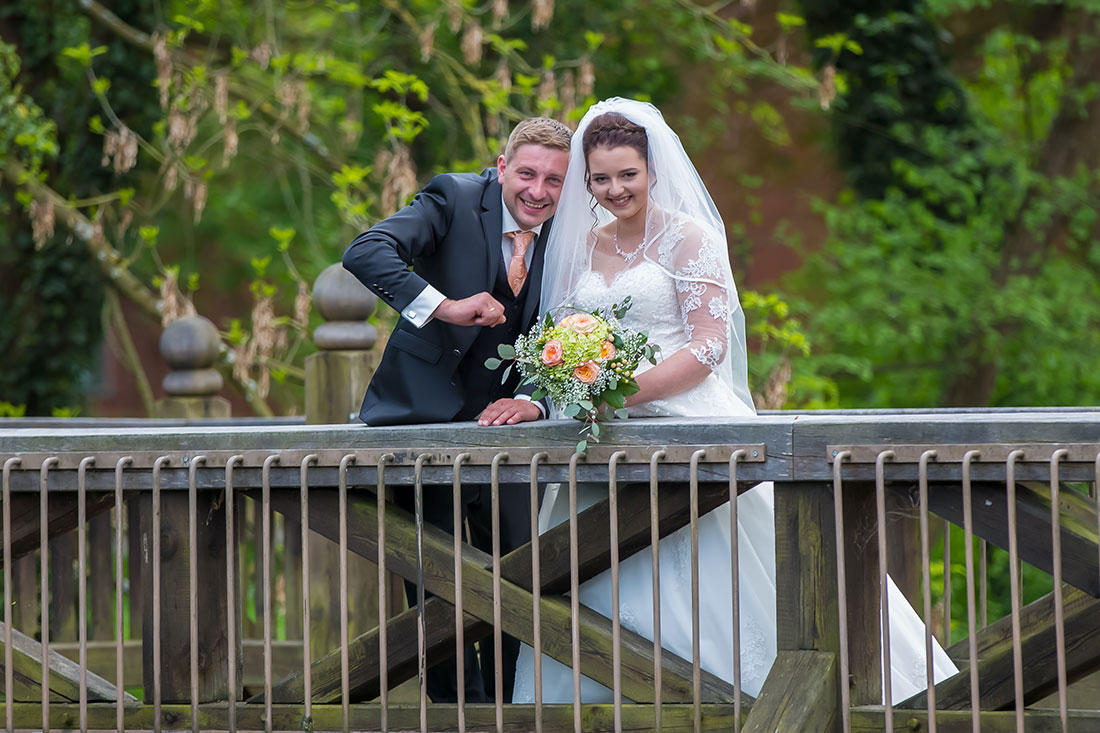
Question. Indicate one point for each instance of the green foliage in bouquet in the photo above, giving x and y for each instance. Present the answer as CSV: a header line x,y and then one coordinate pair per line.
x,y
584,362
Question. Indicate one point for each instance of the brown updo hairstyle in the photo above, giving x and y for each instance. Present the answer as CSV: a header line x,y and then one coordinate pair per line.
x,y
613,130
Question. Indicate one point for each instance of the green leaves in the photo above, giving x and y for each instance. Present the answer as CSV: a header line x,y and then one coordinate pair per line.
x,y
149,235
506,351
492,363
837,42
282,236
403,123
620,309
83,54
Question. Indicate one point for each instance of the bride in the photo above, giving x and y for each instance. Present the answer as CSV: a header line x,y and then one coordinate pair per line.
x,y
635,219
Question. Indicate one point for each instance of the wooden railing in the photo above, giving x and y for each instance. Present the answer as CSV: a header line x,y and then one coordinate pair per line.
x,y
834,477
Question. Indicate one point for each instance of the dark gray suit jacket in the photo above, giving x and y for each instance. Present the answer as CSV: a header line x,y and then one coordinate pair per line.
x,y
449,237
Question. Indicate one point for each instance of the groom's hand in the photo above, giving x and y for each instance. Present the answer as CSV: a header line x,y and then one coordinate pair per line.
x,y
477,310
509,411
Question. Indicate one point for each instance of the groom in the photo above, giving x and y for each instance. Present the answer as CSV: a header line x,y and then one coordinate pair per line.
x,y
462,264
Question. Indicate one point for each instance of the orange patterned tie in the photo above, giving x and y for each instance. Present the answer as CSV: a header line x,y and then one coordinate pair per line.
x,y
517,267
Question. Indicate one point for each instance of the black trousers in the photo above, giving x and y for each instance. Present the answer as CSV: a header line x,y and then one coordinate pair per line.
x,y
515,530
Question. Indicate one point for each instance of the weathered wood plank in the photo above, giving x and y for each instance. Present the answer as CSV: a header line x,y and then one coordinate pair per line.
x,y
175,602
808,613
64,673
800,693
135,560
101,578
286,659
563,433
292,573
995,674
868,719
594,557
63,587
596,718
1033,534
637,652
26,613
63,515
812,433
406,441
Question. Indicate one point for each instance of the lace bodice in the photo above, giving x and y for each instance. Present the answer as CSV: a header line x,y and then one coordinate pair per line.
x,y
671,318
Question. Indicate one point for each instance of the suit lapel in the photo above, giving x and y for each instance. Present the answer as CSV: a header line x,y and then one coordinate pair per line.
x,y
491,222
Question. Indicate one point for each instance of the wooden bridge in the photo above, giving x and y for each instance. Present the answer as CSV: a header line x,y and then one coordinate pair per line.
x,y
856,495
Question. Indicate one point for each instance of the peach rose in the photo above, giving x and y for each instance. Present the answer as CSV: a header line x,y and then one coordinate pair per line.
x,y
580,322
607,350
587,372
552,353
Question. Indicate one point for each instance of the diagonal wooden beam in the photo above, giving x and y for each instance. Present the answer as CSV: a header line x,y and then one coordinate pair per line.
x,y
64,674
25,536
1077,522
595,630
594,557
1038,646
799,693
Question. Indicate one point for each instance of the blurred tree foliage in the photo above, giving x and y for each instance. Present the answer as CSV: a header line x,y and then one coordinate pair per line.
x,y
961,268
180,150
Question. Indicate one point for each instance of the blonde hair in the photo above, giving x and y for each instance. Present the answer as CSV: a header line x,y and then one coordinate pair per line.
x,y
539,131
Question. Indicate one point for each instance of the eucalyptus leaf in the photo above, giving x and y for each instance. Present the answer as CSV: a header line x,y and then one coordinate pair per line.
x,y
492,363
621,414
596,430
586,405
572,410
506,351
504,377
582,446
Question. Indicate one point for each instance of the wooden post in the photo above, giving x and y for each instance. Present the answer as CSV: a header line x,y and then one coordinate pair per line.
x,y
903,545
190,345
101,577
808,612
336,380
26,613
337,375
63,618
136,596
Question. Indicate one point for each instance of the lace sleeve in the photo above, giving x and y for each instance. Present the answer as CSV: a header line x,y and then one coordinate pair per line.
x,y
704,304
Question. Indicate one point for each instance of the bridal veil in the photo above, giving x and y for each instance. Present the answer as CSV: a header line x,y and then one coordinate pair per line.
x,y
684,236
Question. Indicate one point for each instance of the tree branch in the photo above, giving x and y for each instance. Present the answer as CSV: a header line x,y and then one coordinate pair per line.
x,y
146,42
129,353
114,270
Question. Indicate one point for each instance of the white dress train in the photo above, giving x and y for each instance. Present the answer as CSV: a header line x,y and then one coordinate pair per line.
x,y
659,313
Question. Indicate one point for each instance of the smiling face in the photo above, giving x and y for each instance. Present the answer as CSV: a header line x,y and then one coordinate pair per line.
x,y
531,182
619,179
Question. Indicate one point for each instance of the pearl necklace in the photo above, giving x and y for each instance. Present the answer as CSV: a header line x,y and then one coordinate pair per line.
x,y
628,257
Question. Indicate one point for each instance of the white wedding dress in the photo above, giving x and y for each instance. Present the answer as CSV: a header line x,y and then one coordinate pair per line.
x,y
663,312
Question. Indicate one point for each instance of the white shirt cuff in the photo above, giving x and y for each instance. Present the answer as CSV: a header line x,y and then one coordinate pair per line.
x,y
420,310
542,408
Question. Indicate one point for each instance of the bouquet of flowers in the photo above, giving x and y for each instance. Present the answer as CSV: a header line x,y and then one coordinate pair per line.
x,y
584,361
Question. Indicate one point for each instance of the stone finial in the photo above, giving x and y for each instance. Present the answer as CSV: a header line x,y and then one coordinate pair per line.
x,y
345,304
190,345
